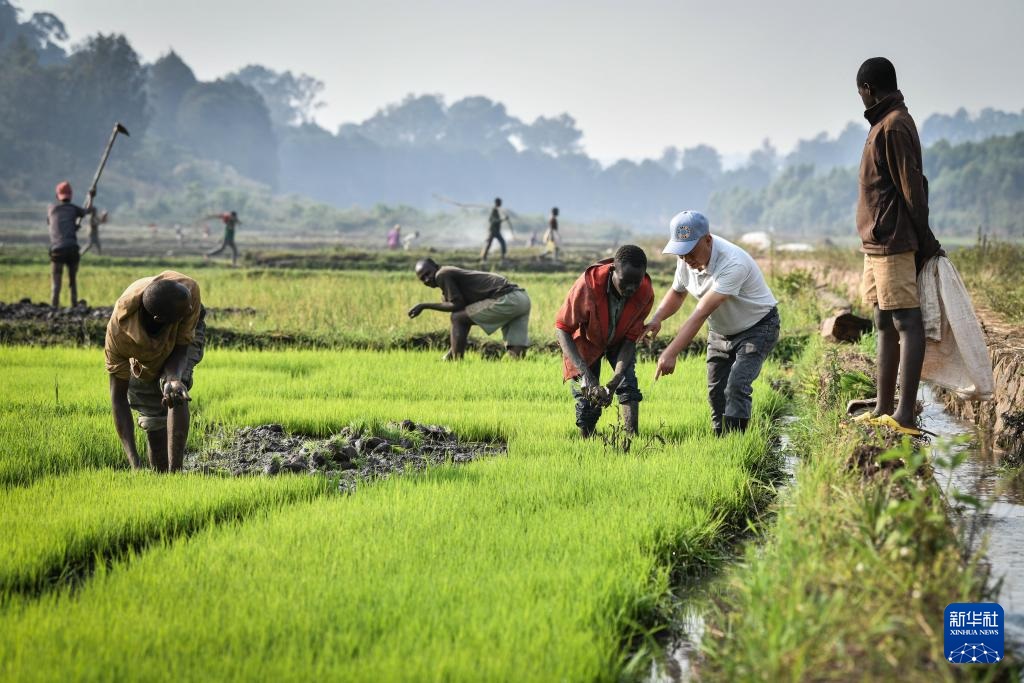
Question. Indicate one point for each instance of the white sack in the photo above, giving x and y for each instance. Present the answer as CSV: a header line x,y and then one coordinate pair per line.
x,y
955,355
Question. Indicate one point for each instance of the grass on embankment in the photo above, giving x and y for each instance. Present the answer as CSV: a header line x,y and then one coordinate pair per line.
x,y
852,580
534,566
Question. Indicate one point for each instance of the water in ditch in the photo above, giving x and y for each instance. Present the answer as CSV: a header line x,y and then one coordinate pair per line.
x,y
1002,518
681,646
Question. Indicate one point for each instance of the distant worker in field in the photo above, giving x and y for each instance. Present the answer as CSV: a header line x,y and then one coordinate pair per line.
x,y
896,239
494,221
551,237
741,311
475,298
96,219
154,340
230,223
64,219
409,239
395,237
603,318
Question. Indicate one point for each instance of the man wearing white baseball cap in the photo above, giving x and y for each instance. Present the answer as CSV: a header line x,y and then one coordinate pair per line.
x,y
742,315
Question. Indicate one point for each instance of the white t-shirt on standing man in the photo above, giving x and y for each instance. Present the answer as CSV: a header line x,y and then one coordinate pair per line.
x,y
733,272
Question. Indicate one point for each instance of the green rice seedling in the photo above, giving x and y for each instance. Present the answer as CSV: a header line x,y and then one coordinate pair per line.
x,y
59,527
534,566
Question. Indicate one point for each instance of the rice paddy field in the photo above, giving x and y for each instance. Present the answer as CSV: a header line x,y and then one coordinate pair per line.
x,y
554,558
551,561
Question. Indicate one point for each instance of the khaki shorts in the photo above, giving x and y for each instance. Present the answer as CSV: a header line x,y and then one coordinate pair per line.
x,y
510,312
146,397
890,281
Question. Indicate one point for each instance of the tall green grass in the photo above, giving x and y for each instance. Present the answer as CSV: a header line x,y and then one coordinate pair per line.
x,y
535,566
349,308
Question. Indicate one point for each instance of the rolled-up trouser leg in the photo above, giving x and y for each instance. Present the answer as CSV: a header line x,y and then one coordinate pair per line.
x,y
587,414
630,417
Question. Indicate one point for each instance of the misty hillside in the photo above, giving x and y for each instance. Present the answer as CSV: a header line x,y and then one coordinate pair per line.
x,y
251,138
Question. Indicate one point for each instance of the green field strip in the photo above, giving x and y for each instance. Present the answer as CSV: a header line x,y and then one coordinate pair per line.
x,y
532,568
59,528
536,565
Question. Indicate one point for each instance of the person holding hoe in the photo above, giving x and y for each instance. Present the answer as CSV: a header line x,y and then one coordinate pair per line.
x,y
741,312
64,219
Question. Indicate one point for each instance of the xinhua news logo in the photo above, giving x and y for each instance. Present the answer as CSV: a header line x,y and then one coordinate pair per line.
x,y
974,633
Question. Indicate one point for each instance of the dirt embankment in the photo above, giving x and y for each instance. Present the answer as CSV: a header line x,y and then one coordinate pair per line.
x,y
25,322
1003,416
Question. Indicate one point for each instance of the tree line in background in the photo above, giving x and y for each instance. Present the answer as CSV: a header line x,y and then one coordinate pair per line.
x,y
252,134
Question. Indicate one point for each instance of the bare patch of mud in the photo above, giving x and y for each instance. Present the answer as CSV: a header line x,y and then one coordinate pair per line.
x,y
352,455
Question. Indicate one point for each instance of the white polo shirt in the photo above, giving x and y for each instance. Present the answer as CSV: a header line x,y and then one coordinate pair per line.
x,y
731,271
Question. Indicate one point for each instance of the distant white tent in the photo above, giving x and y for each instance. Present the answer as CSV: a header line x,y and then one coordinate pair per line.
x,y
756,240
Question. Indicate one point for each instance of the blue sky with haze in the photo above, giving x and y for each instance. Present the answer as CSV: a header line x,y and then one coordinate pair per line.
x,y
637,76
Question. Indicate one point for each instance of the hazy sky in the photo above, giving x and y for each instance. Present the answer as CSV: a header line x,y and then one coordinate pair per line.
x,y
637,76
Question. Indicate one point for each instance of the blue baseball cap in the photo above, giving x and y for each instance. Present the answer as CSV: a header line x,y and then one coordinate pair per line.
x,y
684,231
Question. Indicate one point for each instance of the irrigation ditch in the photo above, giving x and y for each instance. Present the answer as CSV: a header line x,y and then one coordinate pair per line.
x,y
994,529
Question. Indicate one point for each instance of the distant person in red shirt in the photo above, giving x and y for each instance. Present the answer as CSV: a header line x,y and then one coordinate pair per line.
x,y
230,223
64,219
603,317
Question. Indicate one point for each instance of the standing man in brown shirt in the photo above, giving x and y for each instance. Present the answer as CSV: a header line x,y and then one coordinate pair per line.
x,y
472,298
154,340
892,220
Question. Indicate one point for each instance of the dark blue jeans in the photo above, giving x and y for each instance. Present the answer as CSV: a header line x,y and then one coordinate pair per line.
x,y
487,245
587,415
734,362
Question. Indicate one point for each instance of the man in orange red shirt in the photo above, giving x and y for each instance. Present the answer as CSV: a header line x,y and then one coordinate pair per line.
x,y
603,317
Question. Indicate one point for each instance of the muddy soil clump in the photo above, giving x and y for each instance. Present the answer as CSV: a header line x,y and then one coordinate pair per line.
x,y
352,455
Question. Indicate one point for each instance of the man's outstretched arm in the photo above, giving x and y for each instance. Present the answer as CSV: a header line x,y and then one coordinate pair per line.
x,y
123,423
444,307
705,307
668,307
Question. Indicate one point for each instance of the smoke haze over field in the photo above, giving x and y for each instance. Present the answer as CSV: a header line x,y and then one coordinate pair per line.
x,y
636,77
352,117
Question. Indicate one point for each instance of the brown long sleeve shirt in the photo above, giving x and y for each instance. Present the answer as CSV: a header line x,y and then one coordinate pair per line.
x,y
892,208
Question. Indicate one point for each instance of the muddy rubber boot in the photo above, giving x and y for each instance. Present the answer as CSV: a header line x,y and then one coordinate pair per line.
x,y
734,424
587,432
630,417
